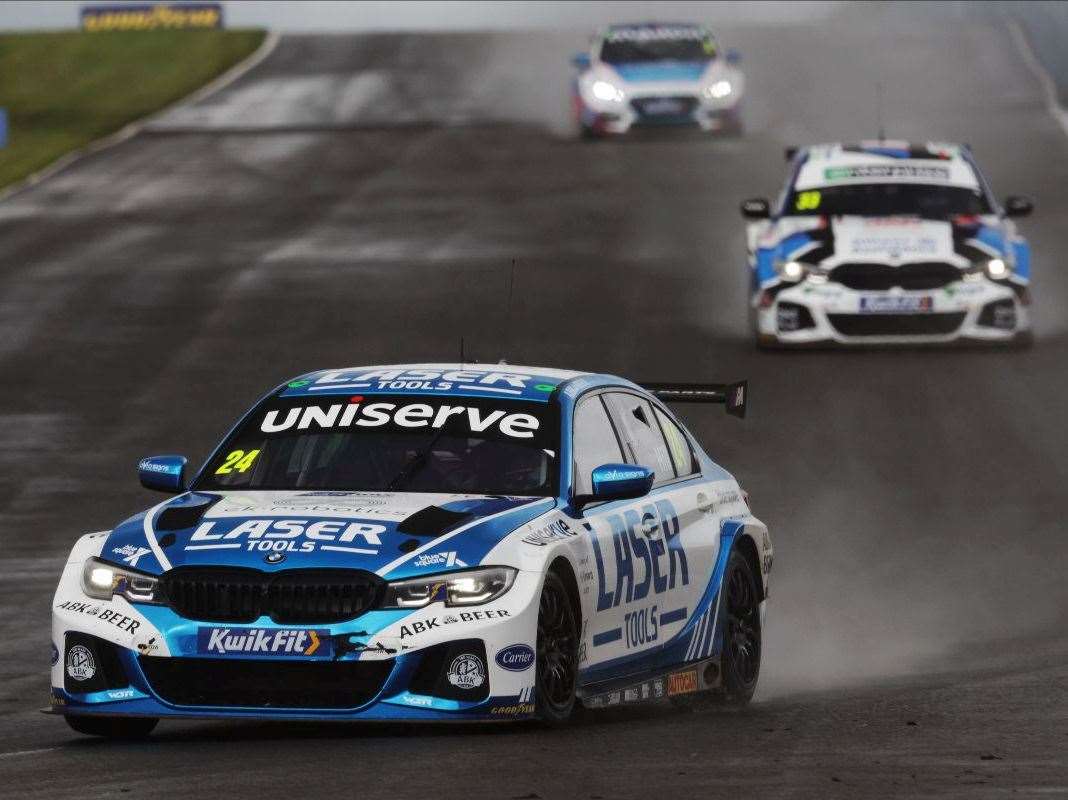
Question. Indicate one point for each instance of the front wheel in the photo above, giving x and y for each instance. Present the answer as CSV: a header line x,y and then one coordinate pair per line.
x,y
113,727
556,672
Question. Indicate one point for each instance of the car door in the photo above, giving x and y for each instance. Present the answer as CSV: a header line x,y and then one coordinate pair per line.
x,y
653,556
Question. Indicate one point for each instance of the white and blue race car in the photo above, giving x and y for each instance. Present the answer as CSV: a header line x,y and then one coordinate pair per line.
x,y
422,542
656,75
887,242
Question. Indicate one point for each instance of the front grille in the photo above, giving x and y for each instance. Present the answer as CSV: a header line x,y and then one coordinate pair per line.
x,y
880,277
292,597
666,109
100,669
252,683
896,324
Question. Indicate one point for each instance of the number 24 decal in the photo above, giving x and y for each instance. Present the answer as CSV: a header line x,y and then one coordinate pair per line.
x,y
238,460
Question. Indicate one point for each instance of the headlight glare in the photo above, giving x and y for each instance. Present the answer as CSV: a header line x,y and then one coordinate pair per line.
x,y
603,90
997,269
719,90
102,580
790,270
470,588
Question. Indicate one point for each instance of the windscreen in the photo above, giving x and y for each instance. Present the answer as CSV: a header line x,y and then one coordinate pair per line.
x,y
931,201
657,44
391,443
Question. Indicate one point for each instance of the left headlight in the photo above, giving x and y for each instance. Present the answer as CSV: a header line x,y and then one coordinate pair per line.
x,y
469,588
718,90
609,93
103,580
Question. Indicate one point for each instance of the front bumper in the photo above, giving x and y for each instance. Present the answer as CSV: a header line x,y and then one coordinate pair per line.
x,y
659,111
146,661
809,314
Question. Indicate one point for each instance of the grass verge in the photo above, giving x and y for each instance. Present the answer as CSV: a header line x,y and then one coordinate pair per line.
x,y
63,90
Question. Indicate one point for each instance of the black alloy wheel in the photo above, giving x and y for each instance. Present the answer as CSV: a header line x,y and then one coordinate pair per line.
x,y
740,663
557,655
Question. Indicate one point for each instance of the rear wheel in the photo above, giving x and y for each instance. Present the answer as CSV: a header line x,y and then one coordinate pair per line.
x,y
740,660
557,665
113,727
742,636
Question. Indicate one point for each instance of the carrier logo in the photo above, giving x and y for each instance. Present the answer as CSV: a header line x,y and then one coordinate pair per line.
x,y
439,560
131,554
515,658
264,642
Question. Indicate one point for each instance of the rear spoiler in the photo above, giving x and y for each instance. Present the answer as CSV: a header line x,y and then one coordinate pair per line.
x,y
733,395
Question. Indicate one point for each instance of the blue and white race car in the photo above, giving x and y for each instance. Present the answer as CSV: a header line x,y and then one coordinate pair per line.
x,y
655,75
422,542
887,242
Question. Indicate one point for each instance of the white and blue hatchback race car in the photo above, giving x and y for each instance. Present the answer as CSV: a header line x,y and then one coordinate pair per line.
x,y
422,542
657,75
887,242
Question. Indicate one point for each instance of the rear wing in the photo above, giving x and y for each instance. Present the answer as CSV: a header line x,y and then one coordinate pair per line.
x,y
733,395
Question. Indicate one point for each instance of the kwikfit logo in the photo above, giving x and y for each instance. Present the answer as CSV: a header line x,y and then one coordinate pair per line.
x,y
264,642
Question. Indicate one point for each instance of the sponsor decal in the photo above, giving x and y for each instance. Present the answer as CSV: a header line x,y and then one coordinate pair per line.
x,y
80,664
644,552
428,380
427,625
515,658
148,647
110,616
147,465
290,642
55,654
466,672
656,33
438,560
516,425
682,682
131,554
121,694
889,304
418,700
289,535
554,531
154,16
641,627
519,708
887,171
56,700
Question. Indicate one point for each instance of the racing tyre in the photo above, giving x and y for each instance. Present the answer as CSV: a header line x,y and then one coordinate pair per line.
x,y
742,639
556,671
740,660
113,727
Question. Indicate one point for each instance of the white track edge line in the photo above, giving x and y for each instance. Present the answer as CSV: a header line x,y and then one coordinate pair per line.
x,y
1049,86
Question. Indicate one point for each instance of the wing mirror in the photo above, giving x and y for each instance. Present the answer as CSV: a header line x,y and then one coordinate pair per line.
x,y
617,482
163,473
756,208
581,61
1016,206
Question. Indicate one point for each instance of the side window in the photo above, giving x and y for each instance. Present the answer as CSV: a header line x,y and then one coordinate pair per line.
x,y
681,454
642,435
594,443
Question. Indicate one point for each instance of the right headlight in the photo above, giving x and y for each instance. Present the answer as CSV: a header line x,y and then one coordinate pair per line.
x,y
469,588
791,270
103,580
609,93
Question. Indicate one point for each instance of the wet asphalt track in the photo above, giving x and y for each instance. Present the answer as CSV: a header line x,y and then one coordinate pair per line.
x,y
915,644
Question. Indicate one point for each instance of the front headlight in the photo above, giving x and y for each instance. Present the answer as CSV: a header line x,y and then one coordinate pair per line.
x,y
603,90
718,90
997,269
792,271
103,580
470,588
